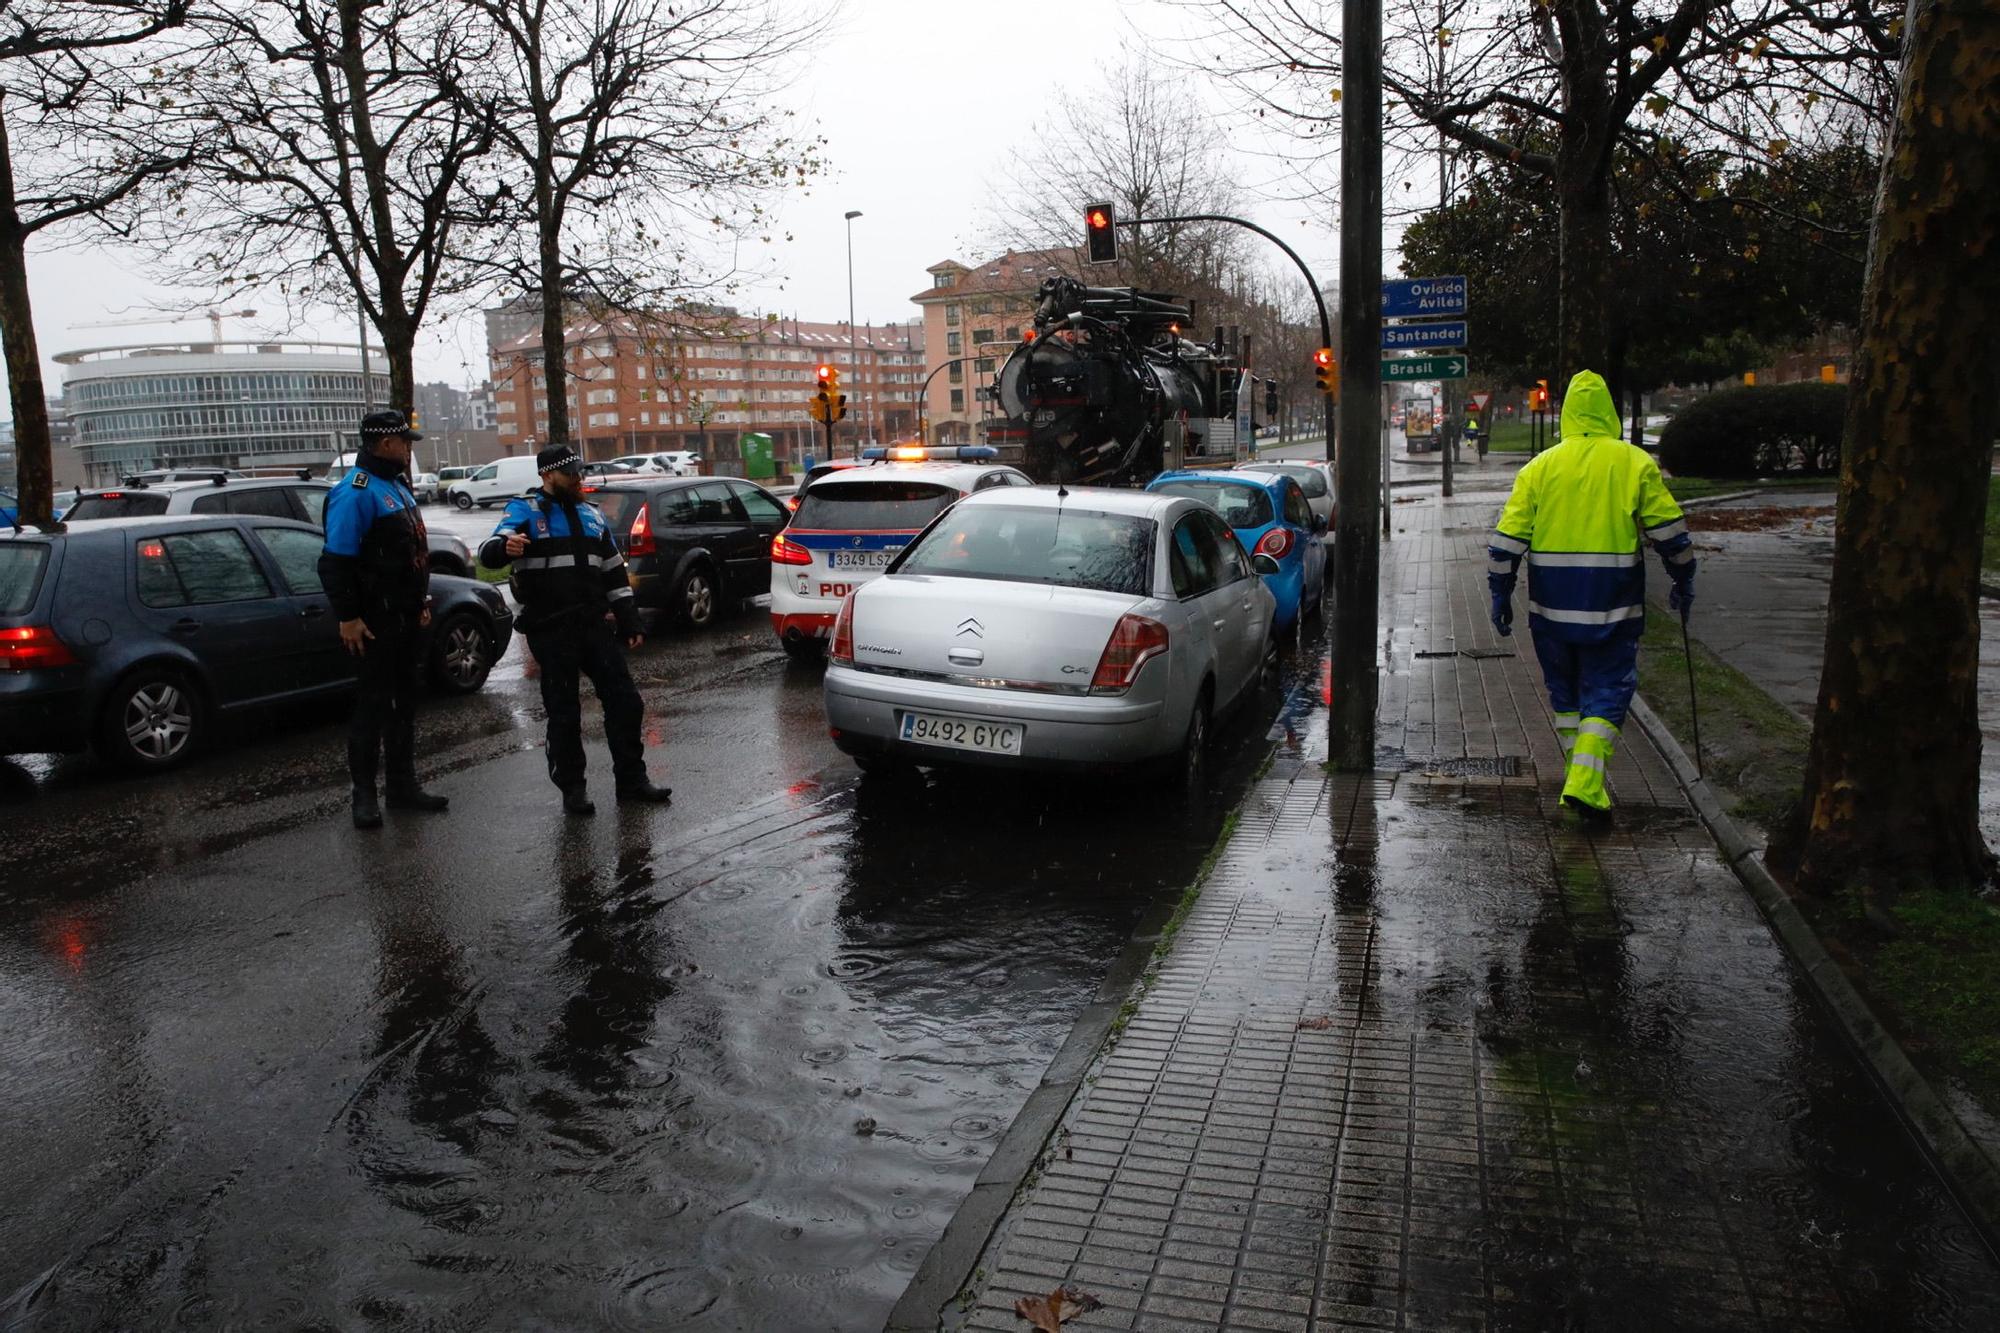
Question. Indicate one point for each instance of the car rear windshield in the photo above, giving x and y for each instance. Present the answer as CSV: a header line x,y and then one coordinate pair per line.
x,y
617,507
20,574
117,504
1241,506
874,506
1310,479
1071,548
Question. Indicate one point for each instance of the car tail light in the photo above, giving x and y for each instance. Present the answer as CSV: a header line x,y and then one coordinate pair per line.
x,y
792,502
1133,643
640,539
33,647
843,633
789,553
1277,543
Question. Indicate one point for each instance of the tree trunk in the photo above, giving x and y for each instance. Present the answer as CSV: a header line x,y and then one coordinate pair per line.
x,y
33,460
1583,198
1892,782
399,346
555,351
1638,435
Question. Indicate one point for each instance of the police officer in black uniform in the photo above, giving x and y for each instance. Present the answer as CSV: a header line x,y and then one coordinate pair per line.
x,y
376,569
570,579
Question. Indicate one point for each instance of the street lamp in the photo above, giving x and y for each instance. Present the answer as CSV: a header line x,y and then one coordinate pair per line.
x,y
853,357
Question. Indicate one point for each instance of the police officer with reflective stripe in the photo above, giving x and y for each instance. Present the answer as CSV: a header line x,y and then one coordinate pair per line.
x,y
569,577
376,569
1579,513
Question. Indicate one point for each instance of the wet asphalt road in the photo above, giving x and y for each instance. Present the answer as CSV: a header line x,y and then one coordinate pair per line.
x,y
732,1064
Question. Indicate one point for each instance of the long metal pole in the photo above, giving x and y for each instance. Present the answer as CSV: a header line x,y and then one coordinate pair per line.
x,y
361,319
853,356
1357,548
1447,426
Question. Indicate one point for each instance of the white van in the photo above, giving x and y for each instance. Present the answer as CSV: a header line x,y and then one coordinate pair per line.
x,y
497,482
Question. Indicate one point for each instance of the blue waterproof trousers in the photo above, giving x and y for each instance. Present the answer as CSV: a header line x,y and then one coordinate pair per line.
x,y
1590,688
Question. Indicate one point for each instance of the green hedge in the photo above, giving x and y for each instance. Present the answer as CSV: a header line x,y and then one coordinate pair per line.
x,y
1762,431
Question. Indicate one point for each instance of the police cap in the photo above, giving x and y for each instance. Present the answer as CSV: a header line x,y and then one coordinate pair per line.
x,y
379,425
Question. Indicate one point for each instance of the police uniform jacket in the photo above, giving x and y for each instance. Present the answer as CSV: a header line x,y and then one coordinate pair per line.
x,y
571,571
377,556
1581,514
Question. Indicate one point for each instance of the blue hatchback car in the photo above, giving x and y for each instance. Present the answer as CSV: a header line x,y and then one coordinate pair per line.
x,y
10,509
1270,516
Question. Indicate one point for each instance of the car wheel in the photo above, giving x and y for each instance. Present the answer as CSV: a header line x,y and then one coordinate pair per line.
x,y
803,649
697,599
153,720
1190,770
461,654
461,499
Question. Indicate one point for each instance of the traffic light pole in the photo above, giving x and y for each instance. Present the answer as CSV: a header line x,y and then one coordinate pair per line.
x,y
1357,545
1325,325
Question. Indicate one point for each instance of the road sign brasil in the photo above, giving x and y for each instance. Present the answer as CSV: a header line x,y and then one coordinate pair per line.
x,y
1407,298
1423,368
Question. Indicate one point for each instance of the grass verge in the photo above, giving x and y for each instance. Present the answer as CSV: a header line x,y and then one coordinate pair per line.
x,y
1990,560
1751,747
1694,488
1511,437
1936,981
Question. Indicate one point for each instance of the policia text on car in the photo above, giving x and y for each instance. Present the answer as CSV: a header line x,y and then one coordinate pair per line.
x,y
1578,512
376,572
570,579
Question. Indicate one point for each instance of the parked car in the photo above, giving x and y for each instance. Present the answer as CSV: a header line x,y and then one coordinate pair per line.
x,y
424,486
694,546
851,524
446,476
136,635
1314,478
680,462
1270,516
273,497
1048,629
606,471
10,509
498,481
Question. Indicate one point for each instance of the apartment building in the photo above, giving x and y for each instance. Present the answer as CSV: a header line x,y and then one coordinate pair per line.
x,y
637,385
973,316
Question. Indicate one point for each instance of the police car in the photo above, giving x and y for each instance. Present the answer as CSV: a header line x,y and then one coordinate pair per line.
x,y
853,521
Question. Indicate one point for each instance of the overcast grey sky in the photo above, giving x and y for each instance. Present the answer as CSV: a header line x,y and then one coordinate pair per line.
x,y
921,101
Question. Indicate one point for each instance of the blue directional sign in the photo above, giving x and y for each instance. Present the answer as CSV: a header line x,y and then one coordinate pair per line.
x,y
1414,298
1405,337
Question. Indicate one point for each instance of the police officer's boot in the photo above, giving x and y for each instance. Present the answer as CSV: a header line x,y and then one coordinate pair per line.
x,y
576,801
408,795
367,813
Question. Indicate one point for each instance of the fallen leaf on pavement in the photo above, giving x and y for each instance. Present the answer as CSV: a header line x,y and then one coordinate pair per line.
x,y
1317,1024
1049,1313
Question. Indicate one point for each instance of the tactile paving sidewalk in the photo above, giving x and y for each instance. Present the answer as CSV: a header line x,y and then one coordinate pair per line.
x,y
1425,1055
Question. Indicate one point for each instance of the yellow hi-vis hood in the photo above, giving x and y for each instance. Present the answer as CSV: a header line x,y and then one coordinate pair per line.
x,y
1588,409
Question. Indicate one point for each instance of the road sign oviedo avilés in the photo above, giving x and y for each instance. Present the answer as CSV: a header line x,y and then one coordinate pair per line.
x,y
1416,298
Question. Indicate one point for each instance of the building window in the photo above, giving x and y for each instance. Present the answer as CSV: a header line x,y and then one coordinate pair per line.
x,y
951,315
941,279
982,336
952,345
984,365
958,400
956,374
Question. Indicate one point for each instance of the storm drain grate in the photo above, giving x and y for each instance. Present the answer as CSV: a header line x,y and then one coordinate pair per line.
x,y
1483,766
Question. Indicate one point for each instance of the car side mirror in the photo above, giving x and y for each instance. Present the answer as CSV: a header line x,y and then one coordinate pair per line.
x,y
1320,525
1264,564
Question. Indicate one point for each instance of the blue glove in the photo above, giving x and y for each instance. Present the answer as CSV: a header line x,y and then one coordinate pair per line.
x,y
1680,597
1503,614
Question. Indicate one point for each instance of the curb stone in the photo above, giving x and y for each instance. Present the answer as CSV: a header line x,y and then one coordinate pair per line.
x,y
1968,1172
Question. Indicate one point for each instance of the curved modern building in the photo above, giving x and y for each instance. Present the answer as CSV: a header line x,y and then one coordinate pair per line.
x,y
216,404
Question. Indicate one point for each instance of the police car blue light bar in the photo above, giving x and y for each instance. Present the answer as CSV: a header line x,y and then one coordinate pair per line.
x,y
918,453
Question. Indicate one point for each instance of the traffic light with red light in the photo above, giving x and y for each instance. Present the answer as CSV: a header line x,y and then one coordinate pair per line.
x,y
1100,233
1325,372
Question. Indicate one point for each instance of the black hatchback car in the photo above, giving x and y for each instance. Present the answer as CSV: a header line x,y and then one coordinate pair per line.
x,y
134,634
694,545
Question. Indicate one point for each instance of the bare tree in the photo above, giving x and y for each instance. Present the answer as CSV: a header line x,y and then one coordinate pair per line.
x,y
341,158
628,128
69,99
1893,778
